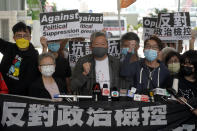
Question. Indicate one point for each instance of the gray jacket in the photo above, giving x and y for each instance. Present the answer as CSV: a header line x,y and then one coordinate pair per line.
x,y
83,84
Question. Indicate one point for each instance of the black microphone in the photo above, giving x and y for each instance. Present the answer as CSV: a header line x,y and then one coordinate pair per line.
x,y
105,92
114,94
96,91
123,94
160,94
174,93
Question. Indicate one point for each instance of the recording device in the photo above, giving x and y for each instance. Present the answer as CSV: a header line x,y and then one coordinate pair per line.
x,y
123,94
160,94
174,93
144,98
105,92
96,91
115,94
151,94
131,92
74,97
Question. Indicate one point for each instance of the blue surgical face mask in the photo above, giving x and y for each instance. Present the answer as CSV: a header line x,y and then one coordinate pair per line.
x,y
67,45
54,47
150,54
124,51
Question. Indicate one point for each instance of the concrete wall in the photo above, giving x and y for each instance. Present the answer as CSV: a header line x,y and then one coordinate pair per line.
x,y
11,17
8,5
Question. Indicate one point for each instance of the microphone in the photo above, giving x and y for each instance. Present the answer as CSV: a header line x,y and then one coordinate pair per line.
x,y
174,93
123,94
143,98
105,92
159,94
96,91
114,94
131,92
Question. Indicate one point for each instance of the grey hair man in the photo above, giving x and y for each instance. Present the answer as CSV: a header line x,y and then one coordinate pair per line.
x,y
98,67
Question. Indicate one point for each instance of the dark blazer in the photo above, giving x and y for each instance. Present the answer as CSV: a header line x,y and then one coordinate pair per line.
x,y
37,89
83,84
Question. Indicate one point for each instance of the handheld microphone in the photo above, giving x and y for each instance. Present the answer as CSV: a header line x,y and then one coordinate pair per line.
x,y
143,98
160,94
96,91
105,92
174,93
114,94
131,92
123,94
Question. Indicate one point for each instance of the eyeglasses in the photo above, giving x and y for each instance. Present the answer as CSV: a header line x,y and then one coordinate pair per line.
x,y
151,47
19,36
46,64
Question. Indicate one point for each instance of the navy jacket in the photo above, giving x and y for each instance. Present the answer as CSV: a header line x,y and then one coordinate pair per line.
x,y
143,78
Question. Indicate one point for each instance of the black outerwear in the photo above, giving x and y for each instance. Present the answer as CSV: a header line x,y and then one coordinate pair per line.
x,y
186,88
37,89
26,62
62,69
83,84
143,77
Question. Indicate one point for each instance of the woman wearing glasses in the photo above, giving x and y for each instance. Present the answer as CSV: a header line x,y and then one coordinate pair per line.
x,y
47,86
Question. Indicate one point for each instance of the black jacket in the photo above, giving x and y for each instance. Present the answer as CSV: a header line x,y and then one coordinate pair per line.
x,y
19,68
186,88
62,69
83,84
37,89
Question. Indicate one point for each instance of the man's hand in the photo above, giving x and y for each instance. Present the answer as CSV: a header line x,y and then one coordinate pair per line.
x,y
183,99
195,111
86,68
132,45
43,42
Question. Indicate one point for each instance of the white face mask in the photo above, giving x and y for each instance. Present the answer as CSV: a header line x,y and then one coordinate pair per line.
x,y
47,70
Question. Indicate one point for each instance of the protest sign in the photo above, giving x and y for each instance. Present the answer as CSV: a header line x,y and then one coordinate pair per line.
x,y
149,25
60,25
90,23
173,26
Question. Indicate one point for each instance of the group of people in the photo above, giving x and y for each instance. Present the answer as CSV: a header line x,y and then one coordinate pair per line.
x,y
25,72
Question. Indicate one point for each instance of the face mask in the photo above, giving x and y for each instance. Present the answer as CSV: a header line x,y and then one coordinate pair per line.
x,y
150,54
54,47
124,51
47,70
67,45
174,67
99,51
22,43
186,70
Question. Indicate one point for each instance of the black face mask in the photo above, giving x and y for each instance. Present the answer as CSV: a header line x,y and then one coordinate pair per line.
x,y
186,70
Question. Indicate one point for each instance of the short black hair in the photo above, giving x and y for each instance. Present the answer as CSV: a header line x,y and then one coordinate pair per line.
x,y
156,39
170,55
20,26
29,29
130,36
190,55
